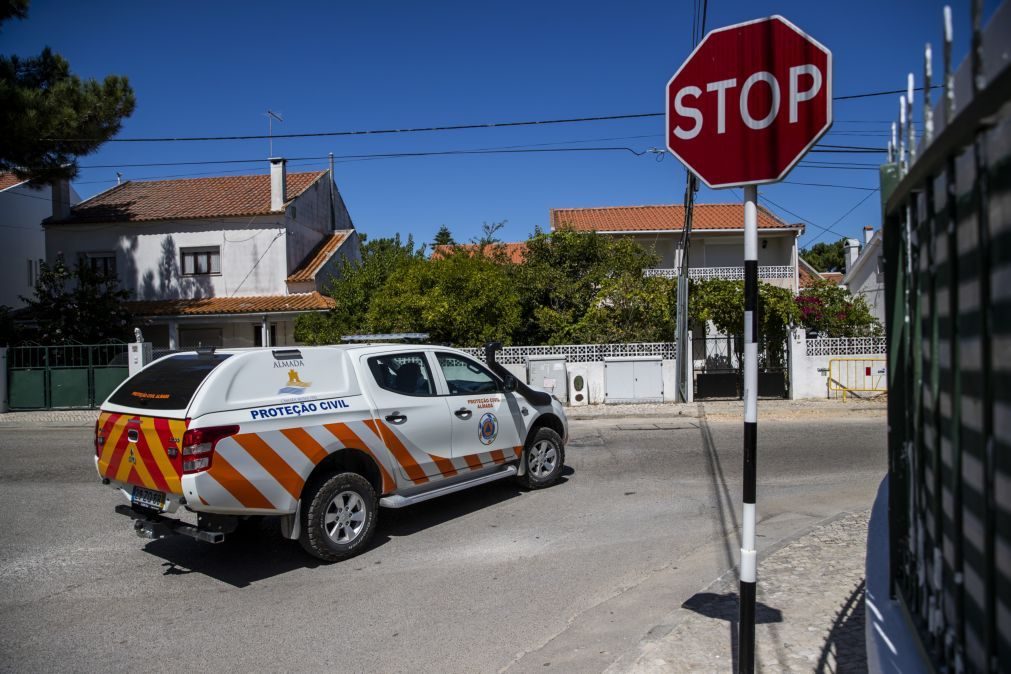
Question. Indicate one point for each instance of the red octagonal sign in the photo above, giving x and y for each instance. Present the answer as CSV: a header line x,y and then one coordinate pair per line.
x,y
749,102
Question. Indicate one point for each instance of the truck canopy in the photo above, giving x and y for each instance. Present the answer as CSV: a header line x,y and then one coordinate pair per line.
x,y
168,383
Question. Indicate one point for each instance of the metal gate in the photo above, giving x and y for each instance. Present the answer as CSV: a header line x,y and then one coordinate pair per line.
x,y
947,253
719,361
73,376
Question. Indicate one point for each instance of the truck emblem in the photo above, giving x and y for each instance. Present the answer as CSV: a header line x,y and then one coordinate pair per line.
x,y
295,384
488,429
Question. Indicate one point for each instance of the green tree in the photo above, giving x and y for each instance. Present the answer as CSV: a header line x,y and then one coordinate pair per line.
x,y
826,256
834,312
489,234
355,288
78,305
722,302
630,308
560,279
464,300
444,237
48,116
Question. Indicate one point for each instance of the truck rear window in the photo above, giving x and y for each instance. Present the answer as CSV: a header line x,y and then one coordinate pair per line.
x,y
168,384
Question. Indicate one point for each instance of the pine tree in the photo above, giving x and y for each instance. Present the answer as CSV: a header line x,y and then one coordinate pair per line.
x,y
444,237
48,116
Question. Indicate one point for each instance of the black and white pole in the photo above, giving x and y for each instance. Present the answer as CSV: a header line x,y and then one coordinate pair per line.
x,y
749,564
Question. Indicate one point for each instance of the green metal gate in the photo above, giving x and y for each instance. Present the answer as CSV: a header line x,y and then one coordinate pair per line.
x,y
71,376
947,252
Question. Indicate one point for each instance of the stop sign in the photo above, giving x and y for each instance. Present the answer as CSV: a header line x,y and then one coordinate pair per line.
x,y
749,102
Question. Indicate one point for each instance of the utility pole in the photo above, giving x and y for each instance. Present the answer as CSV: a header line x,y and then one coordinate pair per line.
x,y
683,358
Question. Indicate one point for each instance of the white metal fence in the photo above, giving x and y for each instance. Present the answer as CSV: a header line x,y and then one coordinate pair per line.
x,y
846,346
581,353
727,273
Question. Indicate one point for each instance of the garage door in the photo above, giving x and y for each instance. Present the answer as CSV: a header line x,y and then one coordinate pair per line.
x,y
633,380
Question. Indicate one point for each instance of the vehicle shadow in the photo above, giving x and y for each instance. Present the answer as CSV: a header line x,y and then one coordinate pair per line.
x,y
257,551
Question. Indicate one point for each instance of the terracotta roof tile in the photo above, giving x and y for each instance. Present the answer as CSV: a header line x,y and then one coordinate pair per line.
x,y
319,256
514,252
232,305
9,180
189,198
664,217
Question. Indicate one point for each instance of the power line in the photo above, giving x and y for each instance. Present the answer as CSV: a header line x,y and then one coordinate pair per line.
x,y
453,127
841,187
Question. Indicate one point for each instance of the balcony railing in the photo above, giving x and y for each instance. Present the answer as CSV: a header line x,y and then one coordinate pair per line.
x,y
728,273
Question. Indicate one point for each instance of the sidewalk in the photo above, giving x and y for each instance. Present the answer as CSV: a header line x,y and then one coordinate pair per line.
x,y
721,409
810,612
49,418
715,409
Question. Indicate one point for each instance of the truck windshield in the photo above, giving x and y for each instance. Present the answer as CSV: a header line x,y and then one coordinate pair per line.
x,y
168,384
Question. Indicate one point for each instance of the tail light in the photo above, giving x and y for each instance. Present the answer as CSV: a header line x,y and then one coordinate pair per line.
x,y
198,446
99,439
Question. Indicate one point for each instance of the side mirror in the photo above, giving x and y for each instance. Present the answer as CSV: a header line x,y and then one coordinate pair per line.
x,y
509,383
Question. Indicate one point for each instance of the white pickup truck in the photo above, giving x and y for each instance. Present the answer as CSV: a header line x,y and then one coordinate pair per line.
x,y
320,436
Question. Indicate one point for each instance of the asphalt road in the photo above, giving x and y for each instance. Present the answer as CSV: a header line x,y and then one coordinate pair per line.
x,y
566,578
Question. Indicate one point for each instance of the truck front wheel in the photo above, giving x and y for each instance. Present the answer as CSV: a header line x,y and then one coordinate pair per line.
x,y
338,517
545,458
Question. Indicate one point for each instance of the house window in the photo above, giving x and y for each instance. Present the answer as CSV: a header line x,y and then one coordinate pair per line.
x,y
103,263
198,261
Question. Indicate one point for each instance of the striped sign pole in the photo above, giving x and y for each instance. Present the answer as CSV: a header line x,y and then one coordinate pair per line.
x,y
749,562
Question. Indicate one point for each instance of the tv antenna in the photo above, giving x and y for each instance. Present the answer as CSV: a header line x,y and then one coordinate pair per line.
x,y
271,116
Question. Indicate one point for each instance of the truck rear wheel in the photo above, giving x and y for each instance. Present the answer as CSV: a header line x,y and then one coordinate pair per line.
x,y
545,457
338,517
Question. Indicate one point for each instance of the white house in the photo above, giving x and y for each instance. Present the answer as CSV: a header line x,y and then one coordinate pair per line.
x,y
226,261
22,210
865,271
717,242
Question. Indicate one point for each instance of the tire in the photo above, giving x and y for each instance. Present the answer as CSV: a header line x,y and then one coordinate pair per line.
x,y
331,529
544,457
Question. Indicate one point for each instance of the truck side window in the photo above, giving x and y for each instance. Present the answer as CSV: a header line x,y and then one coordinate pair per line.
x,y
465,377
404,373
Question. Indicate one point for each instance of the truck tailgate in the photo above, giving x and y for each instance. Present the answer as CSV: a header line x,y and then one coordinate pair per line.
x,y
144,451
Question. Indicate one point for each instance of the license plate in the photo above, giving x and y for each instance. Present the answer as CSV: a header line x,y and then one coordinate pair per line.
x,y
148,498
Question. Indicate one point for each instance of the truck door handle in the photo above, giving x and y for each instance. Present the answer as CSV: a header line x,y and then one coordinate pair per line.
x,y
463,413
396,418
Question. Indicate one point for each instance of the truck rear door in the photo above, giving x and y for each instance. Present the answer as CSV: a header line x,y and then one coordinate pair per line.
x,y
411,418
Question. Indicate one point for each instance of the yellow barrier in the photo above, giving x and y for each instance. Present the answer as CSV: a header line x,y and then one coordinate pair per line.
x,y
853,376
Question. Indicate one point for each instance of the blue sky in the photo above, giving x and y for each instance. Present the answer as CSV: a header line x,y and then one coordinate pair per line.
x,y
214,68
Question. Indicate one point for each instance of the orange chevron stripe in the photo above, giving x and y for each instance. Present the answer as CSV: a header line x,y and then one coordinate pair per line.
x,y
399,451
305,443
237,485
271,462
349,438
519,451
473,462
497,456
445,465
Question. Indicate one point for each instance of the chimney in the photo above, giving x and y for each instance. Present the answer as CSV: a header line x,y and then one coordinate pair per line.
x,y
61,198
852,247
278,178
868,234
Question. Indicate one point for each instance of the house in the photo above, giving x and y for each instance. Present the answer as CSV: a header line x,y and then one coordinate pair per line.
x,y
717,241
23,207
513,252
225,261
865,271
